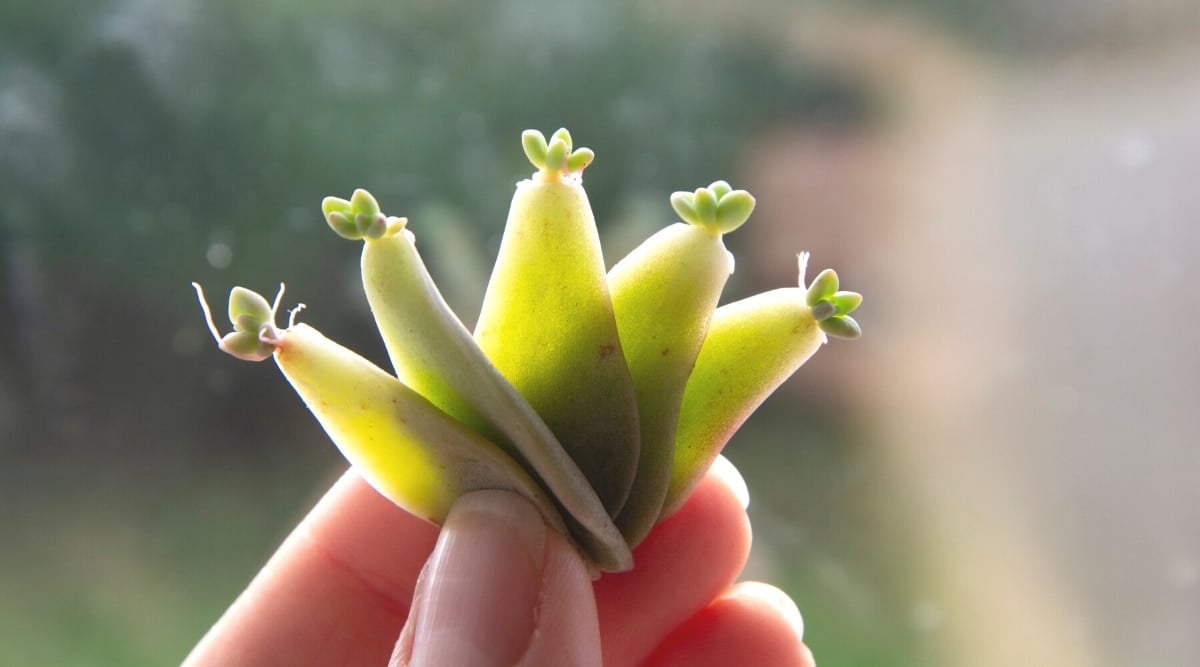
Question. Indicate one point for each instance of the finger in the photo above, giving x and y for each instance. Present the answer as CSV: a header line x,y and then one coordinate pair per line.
x,y
687,561
500,589
568,631
751,624
336,592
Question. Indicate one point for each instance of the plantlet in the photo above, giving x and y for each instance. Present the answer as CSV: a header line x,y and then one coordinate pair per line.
x,y
664,293
547,320
373,418
602,398
752,346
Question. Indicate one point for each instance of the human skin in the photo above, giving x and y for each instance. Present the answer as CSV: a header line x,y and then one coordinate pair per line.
x,y
361,582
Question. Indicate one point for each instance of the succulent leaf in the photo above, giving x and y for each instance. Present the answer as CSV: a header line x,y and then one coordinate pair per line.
x,y
556,156
534,143
752,346
561,134
580,159
412,453
824,286
547,324
664,293
363,203
684,204
842,326
846,302
248,310
733,209
720,189
245,345
342,225
705,203
823,310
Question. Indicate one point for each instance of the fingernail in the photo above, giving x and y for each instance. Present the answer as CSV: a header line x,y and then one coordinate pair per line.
x,y
476,601
729,474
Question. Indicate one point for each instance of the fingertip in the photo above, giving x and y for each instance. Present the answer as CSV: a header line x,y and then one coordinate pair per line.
x,y
724,470
756,592
751,624
686,561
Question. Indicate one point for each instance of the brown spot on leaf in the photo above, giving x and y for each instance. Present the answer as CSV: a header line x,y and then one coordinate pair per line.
x,y
607,350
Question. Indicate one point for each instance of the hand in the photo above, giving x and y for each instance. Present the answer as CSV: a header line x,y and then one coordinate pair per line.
x,y
498,588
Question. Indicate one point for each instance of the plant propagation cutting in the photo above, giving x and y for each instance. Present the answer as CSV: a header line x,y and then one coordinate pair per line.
x,y
602,397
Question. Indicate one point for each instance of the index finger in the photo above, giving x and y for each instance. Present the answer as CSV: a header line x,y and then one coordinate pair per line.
x,y
336,592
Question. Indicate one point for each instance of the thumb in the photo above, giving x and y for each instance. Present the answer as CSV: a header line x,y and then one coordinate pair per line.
x,y
500,589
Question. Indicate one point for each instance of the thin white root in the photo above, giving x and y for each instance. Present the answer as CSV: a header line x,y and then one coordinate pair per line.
x,y
292,314
802,263
278,298
212,328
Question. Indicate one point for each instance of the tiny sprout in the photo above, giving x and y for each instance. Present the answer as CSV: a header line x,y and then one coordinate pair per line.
x,y
557,156
360,218
254,336
717,207
830,307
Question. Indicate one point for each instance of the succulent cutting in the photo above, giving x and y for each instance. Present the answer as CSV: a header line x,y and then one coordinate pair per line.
x,y
601,396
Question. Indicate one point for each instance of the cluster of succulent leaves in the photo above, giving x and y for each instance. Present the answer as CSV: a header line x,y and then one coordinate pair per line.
x,y
601,396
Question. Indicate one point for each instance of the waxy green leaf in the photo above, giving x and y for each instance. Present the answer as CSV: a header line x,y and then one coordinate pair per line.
x,y
752,346
547,324
664,293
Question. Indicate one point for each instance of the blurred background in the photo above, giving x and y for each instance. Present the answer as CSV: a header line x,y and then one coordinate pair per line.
x,y
1003,471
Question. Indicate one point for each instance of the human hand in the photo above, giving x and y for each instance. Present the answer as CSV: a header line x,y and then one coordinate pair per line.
x,y
495,587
